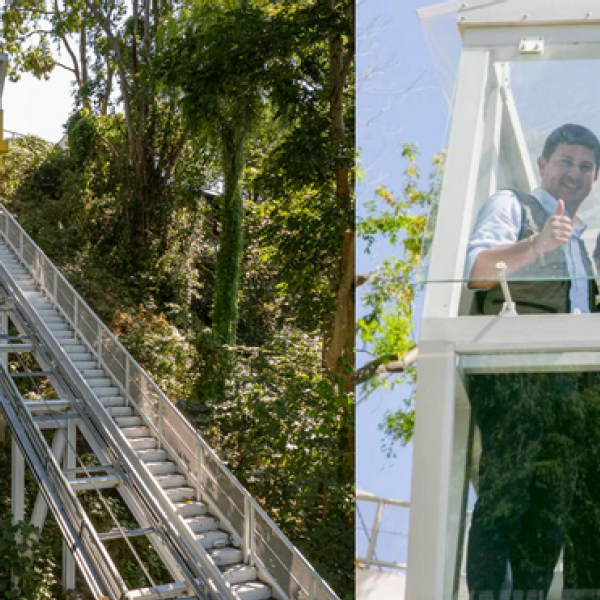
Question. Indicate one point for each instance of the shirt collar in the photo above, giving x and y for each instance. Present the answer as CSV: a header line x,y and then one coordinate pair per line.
x,y
549,203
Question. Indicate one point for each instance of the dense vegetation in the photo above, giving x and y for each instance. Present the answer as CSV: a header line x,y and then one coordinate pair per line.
x,y
238,301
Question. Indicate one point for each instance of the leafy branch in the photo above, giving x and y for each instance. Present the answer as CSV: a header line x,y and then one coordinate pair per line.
x,y
387,330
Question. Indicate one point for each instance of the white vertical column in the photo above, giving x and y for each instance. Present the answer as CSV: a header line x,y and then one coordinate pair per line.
x,y
458,486
4,334
459,188
17,483
433,531
17,490
431,474
40,509
68,562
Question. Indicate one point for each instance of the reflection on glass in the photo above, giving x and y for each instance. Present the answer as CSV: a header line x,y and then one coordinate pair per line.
x,y
535,99
535,478
537,236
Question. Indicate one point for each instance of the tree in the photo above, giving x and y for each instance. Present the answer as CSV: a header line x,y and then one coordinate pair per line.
x,y
284,422
386,332
221,62
298,198
104,40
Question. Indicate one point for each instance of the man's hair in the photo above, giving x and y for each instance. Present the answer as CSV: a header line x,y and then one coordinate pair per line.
x,y
572,135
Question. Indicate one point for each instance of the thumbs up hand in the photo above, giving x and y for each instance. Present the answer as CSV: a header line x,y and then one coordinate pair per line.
x,y
556,232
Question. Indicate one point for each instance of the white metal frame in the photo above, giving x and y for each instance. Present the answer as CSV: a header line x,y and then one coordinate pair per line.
x,y
491,34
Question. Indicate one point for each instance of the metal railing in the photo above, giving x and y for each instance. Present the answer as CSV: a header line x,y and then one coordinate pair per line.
x,y
263,543
88,550
172,547
370,558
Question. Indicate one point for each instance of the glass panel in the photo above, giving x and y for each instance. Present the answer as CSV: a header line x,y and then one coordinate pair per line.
x,y
66,298
537,205
530,501
227,496
87,324
114,359
443,39
47,274
29,253
143,393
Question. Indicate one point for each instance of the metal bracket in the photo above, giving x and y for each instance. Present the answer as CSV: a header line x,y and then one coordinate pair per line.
x,y
531,45
509,308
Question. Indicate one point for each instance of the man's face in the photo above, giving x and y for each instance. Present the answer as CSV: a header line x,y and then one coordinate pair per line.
x,y
569,174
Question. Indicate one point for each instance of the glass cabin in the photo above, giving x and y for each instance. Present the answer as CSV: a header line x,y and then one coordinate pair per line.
x,y
493,349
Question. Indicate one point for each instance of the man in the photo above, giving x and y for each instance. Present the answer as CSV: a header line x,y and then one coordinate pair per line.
x,y
532,425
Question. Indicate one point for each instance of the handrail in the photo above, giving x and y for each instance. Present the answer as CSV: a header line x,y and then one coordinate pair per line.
x,y
154,404
59,494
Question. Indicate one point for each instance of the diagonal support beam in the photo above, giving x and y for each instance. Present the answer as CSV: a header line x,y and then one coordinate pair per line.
x,y
40,510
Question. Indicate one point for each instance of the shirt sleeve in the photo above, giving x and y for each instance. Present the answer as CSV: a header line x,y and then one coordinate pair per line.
x,y
498,224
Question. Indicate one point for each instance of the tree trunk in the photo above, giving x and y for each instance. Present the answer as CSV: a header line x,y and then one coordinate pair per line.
x,y
339,337
225,314
338,351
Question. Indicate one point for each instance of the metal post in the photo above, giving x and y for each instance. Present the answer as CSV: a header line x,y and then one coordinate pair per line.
x,y
127,375
374,533
68,571
17,483
100,341
433,437
40,509
160,422
4,363
199,467
252,538
17,492
247,529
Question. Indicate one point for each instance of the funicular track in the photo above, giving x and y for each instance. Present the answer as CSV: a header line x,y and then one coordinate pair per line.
x,y
212,537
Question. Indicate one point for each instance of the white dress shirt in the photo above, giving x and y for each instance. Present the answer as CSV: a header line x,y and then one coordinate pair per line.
x,y
499,223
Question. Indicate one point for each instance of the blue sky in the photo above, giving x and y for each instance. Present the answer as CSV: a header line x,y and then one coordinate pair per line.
x,y
399,100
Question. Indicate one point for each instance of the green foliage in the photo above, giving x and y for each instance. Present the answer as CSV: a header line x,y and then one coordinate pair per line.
x,y
25,573
163,350
25,156
36,562
83,133
213,57
386,331
229,256
282,431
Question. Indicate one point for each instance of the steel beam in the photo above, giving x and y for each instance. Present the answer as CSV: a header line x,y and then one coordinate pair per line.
x,y
17,483
68,562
